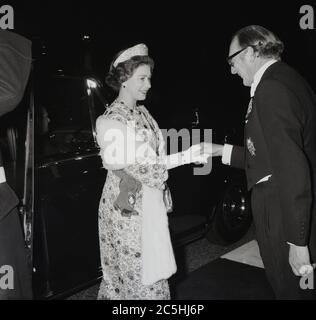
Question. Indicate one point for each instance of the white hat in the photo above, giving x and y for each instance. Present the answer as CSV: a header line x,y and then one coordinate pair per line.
x,y
138,50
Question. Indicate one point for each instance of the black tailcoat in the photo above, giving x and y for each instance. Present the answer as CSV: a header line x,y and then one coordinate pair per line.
x,y
280,139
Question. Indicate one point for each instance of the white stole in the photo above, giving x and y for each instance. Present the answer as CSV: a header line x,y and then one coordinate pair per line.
x,y
158,261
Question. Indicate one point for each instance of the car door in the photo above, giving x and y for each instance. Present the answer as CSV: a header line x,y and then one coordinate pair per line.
x,y
68,183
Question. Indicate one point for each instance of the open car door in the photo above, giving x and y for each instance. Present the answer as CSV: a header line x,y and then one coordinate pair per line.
x,y
15,64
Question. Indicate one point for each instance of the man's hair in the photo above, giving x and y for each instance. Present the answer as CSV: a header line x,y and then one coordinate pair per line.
x,y
124,70
263,41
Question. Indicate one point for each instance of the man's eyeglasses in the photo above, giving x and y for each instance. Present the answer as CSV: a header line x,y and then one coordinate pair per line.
x,y
229,58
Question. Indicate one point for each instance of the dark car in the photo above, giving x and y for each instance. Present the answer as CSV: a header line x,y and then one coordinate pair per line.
x,y
69,177
68,185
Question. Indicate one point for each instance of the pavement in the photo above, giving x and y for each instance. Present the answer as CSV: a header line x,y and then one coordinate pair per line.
x,y
197,254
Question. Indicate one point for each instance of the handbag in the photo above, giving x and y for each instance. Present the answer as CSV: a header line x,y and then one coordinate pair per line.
x,y
126,199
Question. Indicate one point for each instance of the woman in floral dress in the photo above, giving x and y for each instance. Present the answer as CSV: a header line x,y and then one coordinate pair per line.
x,y
136,252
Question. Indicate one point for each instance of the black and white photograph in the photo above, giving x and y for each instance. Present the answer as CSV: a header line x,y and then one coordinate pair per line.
x,y
157,151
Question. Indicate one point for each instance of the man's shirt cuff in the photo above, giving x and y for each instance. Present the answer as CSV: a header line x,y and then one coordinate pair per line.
x,y
2,175
227,153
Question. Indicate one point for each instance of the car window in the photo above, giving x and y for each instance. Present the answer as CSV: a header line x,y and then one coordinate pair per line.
x,y
100,102
63,120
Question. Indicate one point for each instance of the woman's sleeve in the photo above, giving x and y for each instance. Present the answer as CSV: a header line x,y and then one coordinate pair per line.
x,y
121,148
110,138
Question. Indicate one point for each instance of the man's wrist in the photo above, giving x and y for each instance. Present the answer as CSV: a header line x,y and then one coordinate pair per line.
x,y
226,153
292,244
2,175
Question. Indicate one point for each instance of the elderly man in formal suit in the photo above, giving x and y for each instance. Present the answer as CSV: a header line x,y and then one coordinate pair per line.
x,y
279,156
15,65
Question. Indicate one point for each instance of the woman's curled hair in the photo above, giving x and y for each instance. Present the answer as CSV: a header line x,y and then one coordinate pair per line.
x,y
124,70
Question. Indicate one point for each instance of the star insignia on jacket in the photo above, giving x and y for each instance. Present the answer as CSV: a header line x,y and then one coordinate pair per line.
x,y
251,147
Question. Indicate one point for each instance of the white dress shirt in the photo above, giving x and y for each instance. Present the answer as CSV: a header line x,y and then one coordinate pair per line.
x,y
2,175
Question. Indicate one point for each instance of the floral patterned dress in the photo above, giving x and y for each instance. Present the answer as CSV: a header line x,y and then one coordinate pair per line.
x,y
120,236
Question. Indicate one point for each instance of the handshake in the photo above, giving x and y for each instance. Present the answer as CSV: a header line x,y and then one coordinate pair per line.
x,y
199,153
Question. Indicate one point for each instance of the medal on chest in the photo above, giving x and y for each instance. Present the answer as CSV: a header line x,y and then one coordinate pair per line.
x,y
251,147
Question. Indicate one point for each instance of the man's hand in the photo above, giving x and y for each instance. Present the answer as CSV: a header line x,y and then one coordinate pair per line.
x,y
195,154
213,149
299,260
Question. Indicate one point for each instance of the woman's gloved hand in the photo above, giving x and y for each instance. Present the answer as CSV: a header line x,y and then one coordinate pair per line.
x,y
194,154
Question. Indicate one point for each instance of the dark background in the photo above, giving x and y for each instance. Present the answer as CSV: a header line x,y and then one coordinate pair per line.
x,y
189,43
